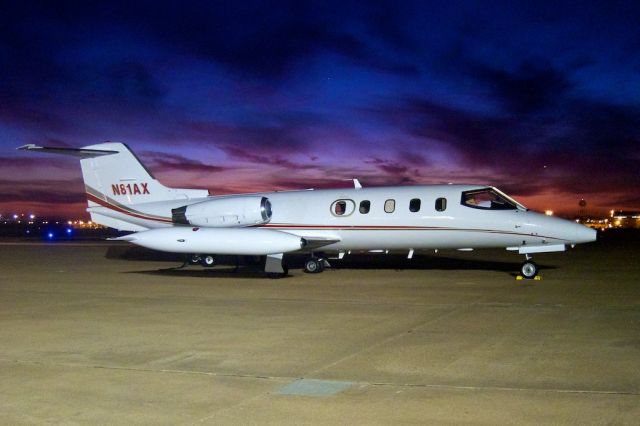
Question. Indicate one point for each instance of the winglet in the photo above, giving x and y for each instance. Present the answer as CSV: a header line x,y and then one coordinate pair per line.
x,y
357,184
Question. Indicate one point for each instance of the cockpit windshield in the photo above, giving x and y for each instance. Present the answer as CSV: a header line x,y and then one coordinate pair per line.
x,y
489,199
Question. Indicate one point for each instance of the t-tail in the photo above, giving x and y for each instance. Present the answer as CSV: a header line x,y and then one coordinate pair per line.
x,y
117,185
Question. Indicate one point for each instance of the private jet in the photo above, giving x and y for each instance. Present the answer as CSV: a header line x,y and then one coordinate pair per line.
x,y
123,194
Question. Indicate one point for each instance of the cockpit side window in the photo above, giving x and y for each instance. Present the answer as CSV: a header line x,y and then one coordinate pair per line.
x,y
488,199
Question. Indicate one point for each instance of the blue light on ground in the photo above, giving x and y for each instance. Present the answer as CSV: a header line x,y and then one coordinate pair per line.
x,y
50,235
69,231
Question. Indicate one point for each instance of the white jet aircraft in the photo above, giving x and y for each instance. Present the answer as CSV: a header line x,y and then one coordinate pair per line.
x,y
123,194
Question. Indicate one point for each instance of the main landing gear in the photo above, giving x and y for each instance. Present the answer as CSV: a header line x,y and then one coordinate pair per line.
x,y
206,260
314,265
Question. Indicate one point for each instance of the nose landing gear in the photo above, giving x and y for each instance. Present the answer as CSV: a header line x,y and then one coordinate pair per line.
x,y
529,269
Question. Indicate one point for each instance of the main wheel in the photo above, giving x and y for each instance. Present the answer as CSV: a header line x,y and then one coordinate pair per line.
x,y
194,259
529,269
312,266
208,260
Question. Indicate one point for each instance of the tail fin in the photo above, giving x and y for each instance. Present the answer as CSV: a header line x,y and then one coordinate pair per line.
x,y
112,170
113,174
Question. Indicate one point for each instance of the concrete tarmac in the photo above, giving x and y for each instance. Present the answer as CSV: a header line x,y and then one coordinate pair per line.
x,y
88,336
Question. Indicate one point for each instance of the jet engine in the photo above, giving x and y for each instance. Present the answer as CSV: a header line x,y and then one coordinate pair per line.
x,y
224,212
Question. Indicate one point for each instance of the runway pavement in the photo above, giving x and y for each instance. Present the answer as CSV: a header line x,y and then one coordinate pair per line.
x,y
91,335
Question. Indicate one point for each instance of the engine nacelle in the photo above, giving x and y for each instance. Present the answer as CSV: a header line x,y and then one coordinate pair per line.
x,y
225,212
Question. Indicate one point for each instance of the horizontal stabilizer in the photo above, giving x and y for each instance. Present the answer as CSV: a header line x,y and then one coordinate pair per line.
x,y
75,152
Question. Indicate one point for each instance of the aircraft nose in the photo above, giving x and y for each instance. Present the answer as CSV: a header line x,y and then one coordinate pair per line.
x,y
584,234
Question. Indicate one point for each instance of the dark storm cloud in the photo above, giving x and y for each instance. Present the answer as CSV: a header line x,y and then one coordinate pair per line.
x,y
480,139
273,158
134,81
549,137
627,200
341,180
534,86
7,162
412,158
42,191
282,135
16,112
387,166
164,162
275,37
314,183
256,38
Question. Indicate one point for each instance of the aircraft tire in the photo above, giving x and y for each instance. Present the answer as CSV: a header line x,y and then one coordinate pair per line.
x,y
193,259
313,266
208,261
529,269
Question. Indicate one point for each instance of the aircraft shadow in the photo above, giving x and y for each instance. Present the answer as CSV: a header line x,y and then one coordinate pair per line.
x,y
228,268
222,271
424,262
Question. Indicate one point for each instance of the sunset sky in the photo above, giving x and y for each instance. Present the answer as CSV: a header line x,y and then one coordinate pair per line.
x,y
541,100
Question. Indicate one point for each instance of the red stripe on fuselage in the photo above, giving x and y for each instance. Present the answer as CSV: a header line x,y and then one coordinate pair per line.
x,y
396,228
138,215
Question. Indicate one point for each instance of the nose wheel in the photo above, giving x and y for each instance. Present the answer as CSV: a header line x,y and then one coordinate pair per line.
x,y
529,269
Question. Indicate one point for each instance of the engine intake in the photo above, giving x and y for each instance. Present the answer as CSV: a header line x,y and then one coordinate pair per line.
x,y
225,212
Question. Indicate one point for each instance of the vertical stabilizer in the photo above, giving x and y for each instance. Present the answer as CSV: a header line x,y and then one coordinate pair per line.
x,y
115,178
122,177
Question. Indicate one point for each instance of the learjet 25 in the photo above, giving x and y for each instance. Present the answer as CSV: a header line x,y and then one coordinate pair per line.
x,y
123,194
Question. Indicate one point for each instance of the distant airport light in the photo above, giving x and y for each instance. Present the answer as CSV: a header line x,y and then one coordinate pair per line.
x,y
32,216
15,216
50,235
69,231
549,212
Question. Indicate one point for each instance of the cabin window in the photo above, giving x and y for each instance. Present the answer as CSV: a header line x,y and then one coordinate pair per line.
x,y
365,206
487,198
389,206
343,207
414,205
441,204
